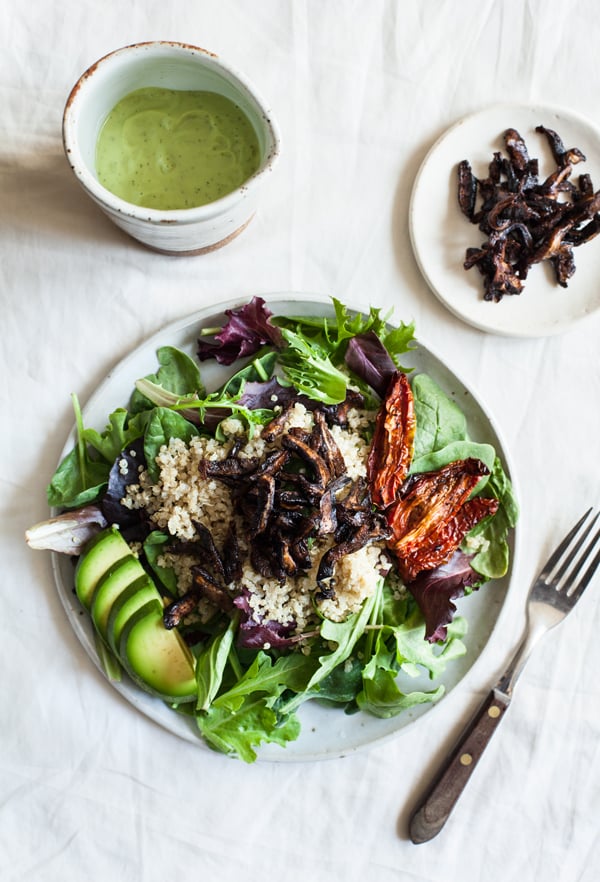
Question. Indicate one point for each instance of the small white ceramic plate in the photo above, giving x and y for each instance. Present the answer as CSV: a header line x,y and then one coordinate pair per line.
x,y
441,234
326,732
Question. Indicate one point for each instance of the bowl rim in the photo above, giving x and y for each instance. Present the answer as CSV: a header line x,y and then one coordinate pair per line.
x,y
179,216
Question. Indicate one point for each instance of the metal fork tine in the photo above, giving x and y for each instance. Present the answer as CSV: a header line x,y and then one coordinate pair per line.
x,y
558,552
589,573
576,552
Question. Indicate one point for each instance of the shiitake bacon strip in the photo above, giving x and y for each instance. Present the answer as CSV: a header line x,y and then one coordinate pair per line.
x,y
467,189
373,530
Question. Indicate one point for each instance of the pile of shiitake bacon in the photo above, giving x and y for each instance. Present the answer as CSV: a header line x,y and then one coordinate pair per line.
x,y
527,220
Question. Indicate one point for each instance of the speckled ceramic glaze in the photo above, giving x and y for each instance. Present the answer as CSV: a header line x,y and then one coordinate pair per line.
x,y
171,66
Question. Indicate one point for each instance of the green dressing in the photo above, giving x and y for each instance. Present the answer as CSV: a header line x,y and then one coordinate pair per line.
x,y
168,149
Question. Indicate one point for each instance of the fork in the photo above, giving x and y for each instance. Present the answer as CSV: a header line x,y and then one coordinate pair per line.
x,y
552,596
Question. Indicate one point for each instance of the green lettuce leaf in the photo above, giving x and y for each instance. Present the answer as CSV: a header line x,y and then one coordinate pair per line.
x,y
163,425
240,731
489,539
439,421
177,374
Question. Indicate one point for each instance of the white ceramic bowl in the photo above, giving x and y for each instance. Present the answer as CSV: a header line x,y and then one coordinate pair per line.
x,y
171,66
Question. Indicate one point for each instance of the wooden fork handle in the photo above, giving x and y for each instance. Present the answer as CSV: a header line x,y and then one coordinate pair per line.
x,y
436,805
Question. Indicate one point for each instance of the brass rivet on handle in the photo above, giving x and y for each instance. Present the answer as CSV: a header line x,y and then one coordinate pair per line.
x,y
466,759
493,711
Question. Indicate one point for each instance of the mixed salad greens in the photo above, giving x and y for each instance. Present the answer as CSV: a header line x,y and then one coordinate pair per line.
x,y
247,696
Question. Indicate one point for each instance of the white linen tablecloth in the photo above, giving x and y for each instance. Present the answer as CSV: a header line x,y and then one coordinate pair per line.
x,y
89,788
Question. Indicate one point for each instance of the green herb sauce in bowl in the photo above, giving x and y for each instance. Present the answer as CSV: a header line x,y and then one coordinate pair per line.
x,y
171,149
172,144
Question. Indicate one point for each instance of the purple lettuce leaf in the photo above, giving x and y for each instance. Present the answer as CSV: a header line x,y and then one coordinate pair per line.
x,y
367,357
134,523
434,591
248,329
67,533
256,634
268,394
257,395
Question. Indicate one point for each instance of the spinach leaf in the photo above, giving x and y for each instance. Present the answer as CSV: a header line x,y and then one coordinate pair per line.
x,y
343,684
439,421
259,369
79,478
69,488
163,425
83,474
153,547
489,538
453,451
177,374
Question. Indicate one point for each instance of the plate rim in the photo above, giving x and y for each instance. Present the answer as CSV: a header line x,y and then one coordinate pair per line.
x,y
153,708
497,107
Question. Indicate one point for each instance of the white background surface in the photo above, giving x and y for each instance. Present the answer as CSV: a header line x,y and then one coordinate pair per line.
x,y
91,790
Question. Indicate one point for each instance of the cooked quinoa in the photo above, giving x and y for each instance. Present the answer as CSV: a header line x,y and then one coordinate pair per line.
x,y
182,496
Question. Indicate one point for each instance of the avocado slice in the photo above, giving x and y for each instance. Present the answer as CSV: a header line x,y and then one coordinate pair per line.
x,y
110,586
156,658
99,556
131,599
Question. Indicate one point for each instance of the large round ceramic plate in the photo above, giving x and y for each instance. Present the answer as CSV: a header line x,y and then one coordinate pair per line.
x,y
441,234
326,732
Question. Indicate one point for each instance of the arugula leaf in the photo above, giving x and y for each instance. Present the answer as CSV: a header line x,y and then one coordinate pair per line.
x,y
210,665
346,635
118,434
398,341
348,326
288,672
238,732
333,335
400,645
382,697
414,653
206,412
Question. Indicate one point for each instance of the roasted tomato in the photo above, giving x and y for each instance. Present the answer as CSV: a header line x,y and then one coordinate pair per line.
x,y
393,442
433,514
